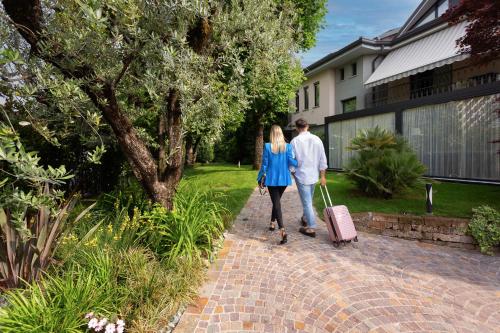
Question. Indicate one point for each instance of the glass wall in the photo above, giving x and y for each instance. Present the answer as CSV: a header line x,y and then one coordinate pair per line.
x,y
456,139
340,134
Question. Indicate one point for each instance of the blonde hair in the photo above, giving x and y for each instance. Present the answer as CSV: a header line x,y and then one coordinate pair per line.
x,y
277,139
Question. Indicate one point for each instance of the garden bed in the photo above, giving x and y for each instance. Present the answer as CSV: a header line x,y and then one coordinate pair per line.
x,y
130,260
450,199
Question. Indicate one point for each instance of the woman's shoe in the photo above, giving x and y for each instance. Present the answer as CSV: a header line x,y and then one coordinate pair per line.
x,y
271,226
284,237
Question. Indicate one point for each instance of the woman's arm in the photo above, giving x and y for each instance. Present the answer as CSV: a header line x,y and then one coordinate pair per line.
x,y
289,154
263,166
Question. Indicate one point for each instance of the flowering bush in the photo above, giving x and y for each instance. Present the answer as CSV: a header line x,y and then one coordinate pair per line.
x,y
97,324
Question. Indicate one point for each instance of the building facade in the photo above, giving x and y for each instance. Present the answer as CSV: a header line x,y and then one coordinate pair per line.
x,y
412,81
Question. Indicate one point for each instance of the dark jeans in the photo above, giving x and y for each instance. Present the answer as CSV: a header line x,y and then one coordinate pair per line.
x,y
275,192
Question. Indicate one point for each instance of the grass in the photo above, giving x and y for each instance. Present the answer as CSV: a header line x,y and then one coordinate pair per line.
x,y
235,183
449,199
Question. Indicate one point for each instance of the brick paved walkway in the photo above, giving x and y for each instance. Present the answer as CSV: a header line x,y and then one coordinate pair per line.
x,y
377,285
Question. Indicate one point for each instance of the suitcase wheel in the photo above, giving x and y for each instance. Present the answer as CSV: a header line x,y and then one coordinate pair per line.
x,y
336,244
356,238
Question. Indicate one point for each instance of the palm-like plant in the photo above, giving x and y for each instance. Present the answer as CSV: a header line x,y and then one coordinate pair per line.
x,y
384,164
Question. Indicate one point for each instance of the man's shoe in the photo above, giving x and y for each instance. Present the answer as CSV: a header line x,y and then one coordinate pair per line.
x,y
307,233
303,222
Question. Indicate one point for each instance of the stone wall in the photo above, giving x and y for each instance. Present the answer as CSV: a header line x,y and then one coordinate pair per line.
x,y
431,229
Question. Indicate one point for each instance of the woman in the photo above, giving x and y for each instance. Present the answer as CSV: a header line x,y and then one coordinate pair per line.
x,y
274,173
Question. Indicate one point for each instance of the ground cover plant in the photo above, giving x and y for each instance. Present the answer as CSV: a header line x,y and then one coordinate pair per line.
x,y
485,228
450,199
236,183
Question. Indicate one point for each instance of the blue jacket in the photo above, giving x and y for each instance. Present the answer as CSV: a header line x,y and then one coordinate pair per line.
x,y
275,166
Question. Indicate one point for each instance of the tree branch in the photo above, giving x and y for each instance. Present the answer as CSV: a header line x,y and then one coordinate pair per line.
x,y
126,64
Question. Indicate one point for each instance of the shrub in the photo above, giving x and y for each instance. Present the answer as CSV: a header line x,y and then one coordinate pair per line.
x,y
32,212
485,228
190,231
384,164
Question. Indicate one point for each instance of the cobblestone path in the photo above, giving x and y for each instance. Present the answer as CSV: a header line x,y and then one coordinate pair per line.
x,y
379,284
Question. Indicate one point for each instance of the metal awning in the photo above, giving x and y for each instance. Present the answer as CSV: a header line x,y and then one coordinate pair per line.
x,y
435,50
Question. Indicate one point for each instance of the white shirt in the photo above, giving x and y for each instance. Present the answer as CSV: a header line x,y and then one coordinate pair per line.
x,y
310,154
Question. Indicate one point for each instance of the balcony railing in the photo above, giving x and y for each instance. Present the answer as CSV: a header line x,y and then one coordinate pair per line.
x,y
385,94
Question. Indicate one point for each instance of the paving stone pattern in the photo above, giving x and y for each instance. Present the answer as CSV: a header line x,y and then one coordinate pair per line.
x,y
379,284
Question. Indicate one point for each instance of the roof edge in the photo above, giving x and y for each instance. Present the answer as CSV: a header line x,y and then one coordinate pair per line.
x,y
358,42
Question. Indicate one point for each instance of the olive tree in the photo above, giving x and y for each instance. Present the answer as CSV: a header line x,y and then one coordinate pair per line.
x,y
145,69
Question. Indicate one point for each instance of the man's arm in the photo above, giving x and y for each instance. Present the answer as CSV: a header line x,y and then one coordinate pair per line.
x,y
323,165
322,179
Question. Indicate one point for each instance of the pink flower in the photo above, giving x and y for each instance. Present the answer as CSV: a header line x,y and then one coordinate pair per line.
x,y
120,322
120,329
93,323
101,324
89,315
110,328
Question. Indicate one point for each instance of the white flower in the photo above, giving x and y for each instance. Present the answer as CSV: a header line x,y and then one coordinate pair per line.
x,y
89,315
120,322
120,329
110,328
93,323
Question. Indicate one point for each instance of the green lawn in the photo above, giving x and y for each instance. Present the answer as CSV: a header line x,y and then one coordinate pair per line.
x,y
236,183
450,199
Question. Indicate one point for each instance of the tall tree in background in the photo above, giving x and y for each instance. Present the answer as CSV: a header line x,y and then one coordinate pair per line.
x,y
309,20
273,72
482,36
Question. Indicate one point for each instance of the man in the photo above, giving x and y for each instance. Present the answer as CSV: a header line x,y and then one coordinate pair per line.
x,y
310,155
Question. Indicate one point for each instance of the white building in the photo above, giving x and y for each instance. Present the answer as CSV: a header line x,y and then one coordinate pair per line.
x,y
411,81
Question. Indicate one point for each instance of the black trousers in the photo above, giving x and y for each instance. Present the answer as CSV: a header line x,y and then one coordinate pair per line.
x,y
275,192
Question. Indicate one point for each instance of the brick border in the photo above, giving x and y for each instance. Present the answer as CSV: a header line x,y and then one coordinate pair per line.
x,y
432,229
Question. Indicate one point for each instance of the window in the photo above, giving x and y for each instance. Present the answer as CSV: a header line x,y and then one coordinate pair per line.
x,y
354,68
297,101
306,98
349,105
442,8
435,11
342,74
316,94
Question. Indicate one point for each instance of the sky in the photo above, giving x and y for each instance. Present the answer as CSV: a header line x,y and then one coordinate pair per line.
x,y
347,20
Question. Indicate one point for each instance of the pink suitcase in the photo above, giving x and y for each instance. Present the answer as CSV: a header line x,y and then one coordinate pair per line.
x,y
338,221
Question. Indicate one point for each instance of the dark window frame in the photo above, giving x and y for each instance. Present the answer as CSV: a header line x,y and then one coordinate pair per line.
x,y
306,98
344,101
354,68
316,94
342,74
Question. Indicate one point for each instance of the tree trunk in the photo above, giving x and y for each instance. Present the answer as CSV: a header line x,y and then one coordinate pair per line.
x,y
191,150
259,145
171,161
139,157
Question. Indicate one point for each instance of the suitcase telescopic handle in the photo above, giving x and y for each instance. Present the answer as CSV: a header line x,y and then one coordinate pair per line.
x,y
327,194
